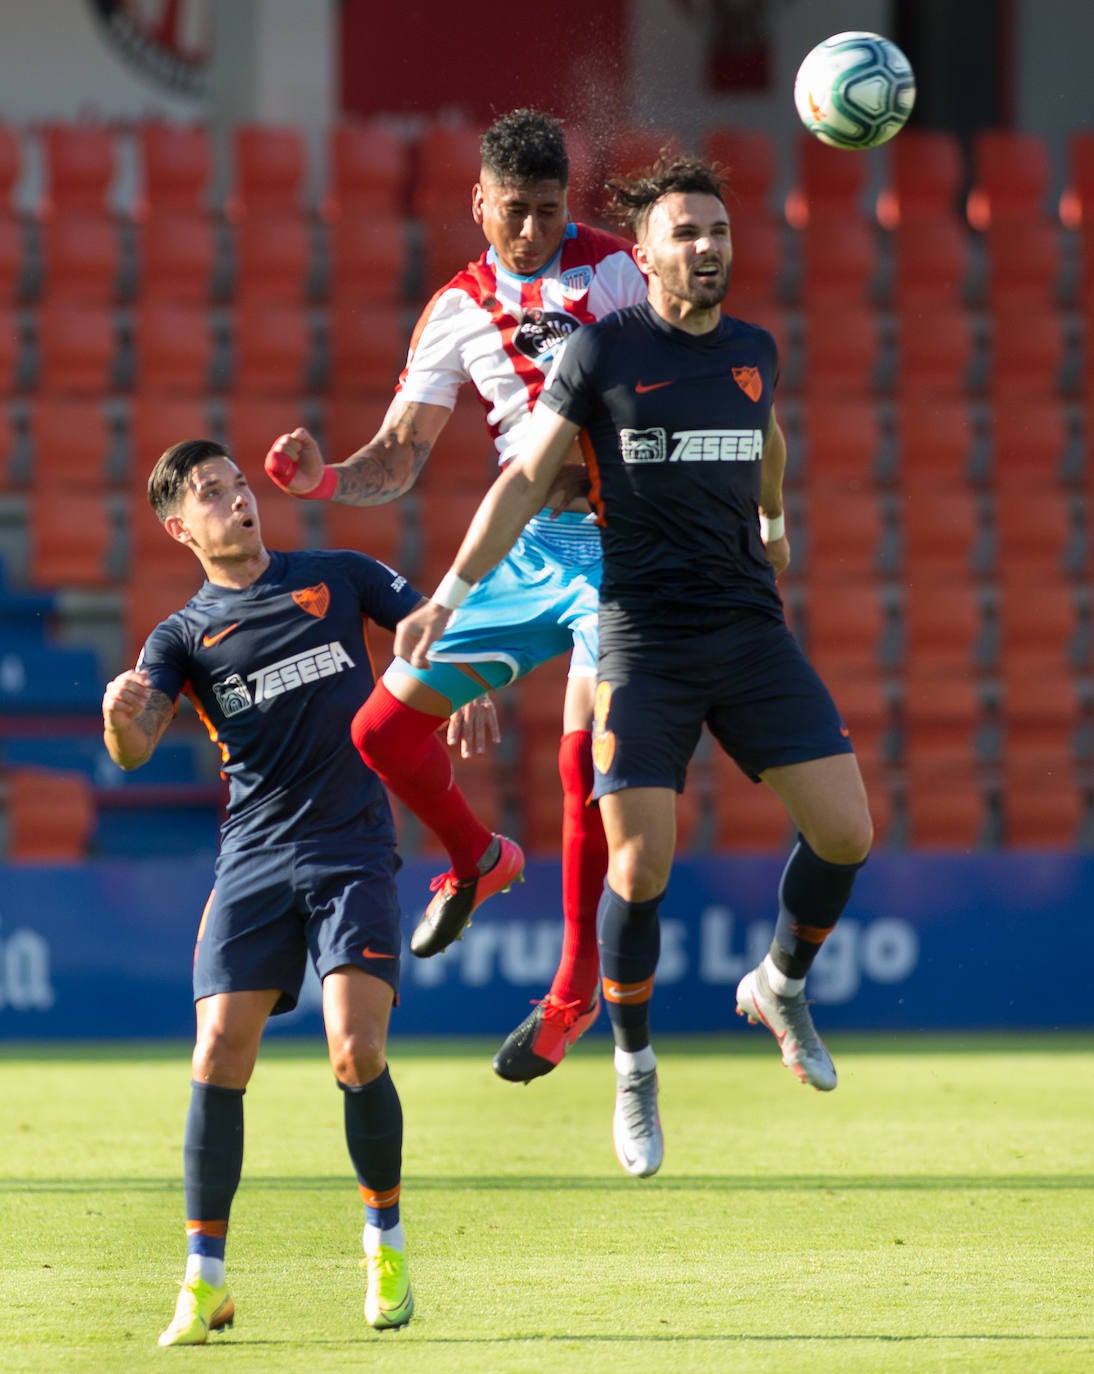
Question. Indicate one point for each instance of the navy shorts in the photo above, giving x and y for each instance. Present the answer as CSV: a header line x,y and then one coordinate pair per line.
x,y
274,906
748,681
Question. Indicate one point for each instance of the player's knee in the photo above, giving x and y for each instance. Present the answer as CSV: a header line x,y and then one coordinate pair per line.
x,y
635,874
358,1058
222,1062
845,840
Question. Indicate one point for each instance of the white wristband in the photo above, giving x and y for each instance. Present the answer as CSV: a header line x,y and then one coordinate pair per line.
x,y
451,591
775,528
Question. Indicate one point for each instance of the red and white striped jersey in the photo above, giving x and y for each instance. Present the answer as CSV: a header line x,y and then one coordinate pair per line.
x,y
500,331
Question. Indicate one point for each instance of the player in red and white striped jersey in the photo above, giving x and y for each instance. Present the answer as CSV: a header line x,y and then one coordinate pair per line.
x,y
497,324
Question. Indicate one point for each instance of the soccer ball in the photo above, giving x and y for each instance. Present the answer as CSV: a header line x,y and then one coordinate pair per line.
x,y
855,90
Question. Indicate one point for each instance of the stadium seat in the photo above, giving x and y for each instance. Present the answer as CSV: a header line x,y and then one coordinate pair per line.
x,y
178,256
862,693
14,259
368,259
273,349
945,802
176,170
447,165
77,347
941,708
1011,173
1024,264
350,421
845,617
941,527
464,455
252,423
380,531
369,171
441,526
936,439
81,258
877,775
936,352
853,368
826,183
1036,529
1043,800
367,346
154,591
450,240
1037,614
844,533
269,171
943,623
759,260
843,442
51,815
72,539
839,262
926,175
284,518
1030,439
79,164
632,148
274,258
1027,351
931,261
71,443
173,347
751,160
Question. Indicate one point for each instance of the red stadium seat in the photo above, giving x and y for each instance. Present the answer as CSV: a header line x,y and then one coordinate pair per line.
x,y
51,816
751,158
176,166
844,533
77,347
1036,530
71,440
759,260
1043,801
943,623
369,259
941,527
274,258
1036,614
845,617
931,261
155,422
380,531
178,255
1028,351
936,439
173,347
1029,439
252,423
1041,704
369,171
270,169
368,345
79,162
828,182
839,262
936,350
464,455
81,256
447,166
1011,174
154,590
1024,260
71,539
849,365
843,442
747,816
273,349
926,175
942,708
945,802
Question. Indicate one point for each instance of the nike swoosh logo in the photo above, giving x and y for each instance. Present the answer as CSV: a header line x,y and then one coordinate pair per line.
x,y
375,954
642,387
618,994
209,640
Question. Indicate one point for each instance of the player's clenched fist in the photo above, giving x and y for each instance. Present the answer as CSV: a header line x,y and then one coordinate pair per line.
x,y
125,698
295,464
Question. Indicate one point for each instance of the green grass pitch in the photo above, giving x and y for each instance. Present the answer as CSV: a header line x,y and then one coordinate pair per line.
x,y
935,1213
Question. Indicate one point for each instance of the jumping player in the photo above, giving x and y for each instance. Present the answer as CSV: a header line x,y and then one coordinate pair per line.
x,y
272,653
677,404
497,324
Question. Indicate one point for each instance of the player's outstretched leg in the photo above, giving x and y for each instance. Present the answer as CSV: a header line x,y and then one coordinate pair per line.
x,y
789,1021
449,913
541,1040
201,1308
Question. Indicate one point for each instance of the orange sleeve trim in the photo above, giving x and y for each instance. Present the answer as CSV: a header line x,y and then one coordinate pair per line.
x,y
629,994
814,935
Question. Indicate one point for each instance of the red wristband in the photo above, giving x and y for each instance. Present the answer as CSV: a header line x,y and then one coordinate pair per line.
x,y
325,488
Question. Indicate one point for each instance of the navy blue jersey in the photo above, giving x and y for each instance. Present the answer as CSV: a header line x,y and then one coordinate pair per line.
x,y
674,427
277,671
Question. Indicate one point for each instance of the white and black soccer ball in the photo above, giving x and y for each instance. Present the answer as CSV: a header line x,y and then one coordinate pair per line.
x,y
855,90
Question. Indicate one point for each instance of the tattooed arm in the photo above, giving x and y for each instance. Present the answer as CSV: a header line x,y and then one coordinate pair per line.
x,y
135,716
384,468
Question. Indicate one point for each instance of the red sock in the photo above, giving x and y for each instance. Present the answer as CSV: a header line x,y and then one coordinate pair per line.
x,y
584,864
401,747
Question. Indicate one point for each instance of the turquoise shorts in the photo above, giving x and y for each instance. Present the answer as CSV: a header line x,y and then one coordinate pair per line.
x,y
539,602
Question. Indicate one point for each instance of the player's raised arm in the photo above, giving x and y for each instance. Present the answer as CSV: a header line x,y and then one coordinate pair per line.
x,y
517,494
379,471
135,716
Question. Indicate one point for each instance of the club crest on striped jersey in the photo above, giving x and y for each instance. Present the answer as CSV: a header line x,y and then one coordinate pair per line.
x,y
315,600
576,282
750,381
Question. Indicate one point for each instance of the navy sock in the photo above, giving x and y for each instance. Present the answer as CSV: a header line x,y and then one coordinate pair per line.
x,y
812,896
374,1136
212,1163
629,937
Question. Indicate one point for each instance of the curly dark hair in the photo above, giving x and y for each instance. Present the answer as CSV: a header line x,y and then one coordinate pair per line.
x,y
632,198
168,480
524,146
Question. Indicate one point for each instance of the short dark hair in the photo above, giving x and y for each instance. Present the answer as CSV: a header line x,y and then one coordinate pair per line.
x,y
169,479
632,198
525,146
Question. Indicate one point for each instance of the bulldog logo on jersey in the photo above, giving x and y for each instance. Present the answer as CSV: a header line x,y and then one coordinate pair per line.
x,y
540,332
642,445
750,381
314,600
233,695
